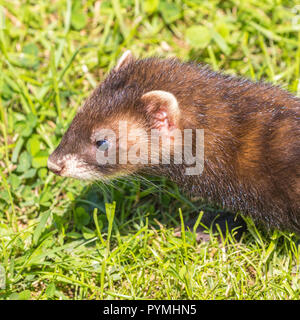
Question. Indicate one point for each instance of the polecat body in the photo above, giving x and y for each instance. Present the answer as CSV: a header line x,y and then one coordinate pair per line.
x,y
251,135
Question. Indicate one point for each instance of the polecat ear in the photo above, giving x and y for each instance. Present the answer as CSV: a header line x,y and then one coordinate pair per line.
x,y
162,106
126,57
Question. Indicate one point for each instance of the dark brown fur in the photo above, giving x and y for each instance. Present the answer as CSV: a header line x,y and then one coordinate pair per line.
x,y
251,134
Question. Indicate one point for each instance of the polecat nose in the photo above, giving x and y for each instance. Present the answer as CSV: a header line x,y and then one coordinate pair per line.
x,y
54,167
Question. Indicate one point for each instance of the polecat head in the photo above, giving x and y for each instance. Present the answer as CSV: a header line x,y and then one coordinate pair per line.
x,y
110,134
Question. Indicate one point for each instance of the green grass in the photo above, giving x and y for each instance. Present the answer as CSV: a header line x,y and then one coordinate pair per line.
x,y
60,238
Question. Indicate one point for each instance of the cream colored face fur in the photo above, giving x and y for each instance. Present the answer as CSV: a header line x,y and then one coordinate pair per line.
x,y
78,159
74,167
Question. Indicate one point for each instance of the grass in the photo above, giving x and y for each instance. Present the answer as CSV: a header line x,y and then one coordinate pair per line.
x,y
65,239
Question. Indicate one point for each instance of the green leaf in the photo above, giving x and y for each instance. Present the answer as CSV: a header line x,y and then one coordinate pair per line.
x,y
110,209
150,6
32,120
41,226
24,60
223,29
24,129
78,20
42,173
70,196
29,174
169,11
24,162
198,36
50,291
14,181
88,233
221,42
4,195
40,159
23,295
182,272
6,91
14,296
45,197
4,230
31,48
74,235
17,150
33,145
82,218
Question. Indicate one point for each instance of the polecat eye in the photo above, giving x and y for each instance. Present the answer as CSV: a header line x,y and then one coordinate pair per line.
x,y
102,145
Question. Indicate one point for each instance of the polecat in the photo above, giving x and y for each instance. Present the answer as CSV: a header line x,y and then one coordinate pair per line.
x,y
249,133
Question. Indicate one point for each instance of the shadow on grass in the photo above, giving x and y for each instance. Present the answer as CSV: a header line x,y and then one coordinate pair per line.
x,y
154,199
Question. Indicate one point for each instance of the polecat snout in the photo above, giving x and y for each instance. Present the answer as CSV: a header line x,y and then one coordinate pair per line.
x,y
249,146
